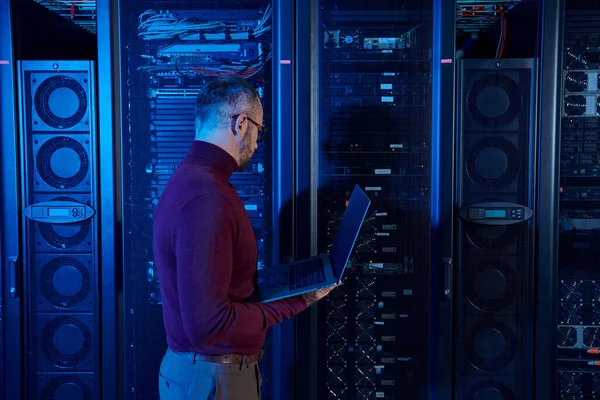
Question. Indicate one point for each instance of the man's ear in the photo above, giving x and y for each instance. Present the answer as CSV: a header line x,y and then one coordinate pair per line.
x,y
240,125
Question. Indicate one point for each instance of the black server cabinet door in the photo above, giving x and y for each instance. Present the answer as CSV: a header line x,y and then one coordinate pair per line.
x,y
493,298
169,50
578,279
60,236
374,69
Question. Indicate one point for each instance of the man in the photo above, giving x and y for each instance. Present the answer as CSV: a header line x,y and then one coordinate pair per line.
x,y
205,252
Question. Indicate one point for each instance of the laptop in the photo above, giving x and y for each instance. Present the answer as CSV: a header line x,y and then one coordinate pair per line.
x,y
307,275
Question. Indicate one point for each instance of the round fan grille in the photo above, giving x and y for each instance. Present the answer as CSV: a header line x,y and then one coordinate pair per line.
x,y
66,341
66,387
65,282
493,163
571,313
491,346
596,383
491,237
575,105
577,58
60,101
566,336
591,337
494,100
491,285
349,39
490,390
576,81
62,162
570,382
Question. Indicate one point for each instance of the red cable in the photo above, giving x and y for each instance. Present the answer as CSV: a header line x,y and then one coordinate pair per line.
x,y
503,40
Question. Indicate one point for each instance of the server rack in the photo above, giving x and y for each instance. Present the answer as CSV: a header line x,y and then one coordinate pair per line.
x,y
377,120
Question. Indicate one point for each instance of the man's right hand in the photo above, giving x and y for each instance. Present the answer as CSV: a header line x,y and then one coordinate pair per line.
x,y
312,297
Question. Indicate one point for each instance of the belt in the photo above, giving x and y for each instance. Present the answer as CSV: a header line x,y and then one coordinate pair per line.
x,y
230,358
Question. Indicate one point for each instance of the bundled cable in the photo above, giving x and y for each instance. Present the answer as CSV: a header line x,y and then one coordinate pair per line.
x,y
161,25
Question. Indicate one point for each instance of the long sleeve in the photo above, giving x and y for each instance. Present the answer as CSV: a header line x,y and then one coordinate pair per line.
x,y
205,240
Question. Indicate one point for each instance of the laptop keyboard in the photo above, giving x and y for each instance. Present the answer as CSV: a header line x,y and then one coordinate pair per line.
x,y
306,274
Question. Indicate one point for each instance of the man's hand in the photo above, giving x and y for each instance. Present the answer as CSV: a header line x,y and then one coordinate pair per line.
x,y
313,297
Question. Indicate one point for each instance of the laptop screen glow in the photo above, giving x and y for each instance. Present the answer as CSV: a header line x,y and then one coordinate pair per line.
x,y
349,229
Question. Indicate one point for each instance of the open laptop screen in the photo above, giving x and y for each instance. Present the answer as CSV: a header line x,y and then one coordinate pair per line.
x,y
349,229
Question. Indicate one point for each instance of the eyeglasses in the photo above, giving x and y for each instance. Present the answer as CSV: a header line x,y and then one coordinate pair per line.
x,y
262,130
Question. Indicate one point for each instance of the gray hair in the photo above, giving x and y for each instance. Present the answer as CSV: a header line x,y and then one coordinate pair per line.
x,y
222,97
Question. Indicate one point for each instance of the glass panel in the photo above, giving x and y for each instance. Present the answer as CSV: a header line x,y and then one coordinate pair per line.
x,y
578,291
169,52
374,105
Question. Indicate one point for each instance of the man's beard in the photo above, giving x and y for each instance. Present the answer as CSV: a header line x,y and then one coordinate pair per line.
x,y
246,153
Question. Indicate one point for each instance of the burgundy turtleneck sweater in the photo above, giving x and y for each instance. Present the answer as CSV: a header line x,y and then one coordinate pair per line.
x,y
205,253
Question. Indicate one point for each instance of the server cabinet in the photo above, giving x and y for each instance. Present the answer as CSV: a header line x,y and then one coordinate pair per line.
x,y
169,50
376,80
11,361
575,284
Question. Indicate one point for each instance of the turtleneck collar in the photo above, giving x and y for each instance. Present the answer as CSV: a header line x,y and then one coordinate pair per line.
x,y
210,154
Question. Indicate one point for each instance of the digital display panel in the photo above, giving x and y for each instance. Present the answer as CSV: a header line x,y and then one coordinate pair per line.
x,y
495,213
59,212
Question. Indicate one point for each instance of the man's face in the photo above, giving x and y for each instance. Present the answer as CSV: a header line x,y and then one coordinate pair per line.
x,y
248,144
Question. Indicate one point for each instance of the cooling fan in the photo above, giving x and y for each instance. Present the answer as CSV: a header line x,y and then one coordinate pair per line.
x,y
501,351
577,58
570,382
493,163
491,285
60,101
566,336
65,282
62,162
576,81
66,341
490,389
494,100
575,105
591,337
350,39
67,386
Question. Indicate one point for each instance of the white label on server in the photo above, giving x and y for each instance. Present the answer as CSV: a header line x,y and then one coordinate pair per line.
x,y
373,188
386,86
387,99
382,234
382,171
407,292
381,214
